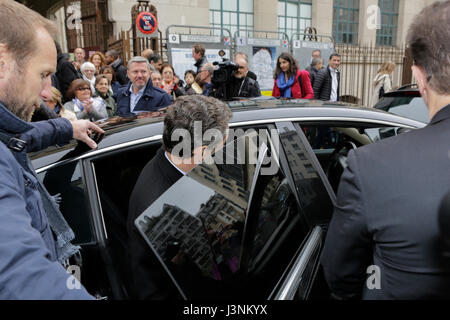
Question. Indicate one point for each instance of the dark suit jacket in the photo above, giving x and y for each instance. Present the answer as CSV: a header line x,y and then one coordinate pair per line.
x,y
152,99
322,84
387,215
149,278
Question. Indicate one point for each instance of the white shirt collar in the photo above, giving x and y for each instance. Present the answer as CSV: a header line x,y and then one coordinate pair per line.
x,y
168,159
333,70
139,92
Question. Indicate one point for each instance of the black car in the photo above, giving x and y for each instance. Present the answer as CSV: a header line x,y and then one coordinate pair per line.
x,y
405,101
258,234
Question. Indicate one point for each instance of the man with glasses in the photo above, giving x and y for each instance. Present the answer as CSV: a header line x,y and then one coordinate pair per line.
x,y
204,76
241,85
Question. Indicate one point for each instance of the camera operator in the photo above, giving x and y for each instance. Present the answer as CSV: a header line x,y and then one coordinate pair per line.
x,y
241,85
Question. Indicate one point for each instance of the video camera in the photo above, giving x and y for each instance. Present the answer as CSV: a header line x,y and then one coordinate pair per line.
x,y
221,77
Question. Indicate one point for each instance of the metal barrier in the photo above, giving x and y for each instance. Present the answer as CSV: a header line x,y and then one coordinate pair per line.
x,y
302,48
179,46
262,54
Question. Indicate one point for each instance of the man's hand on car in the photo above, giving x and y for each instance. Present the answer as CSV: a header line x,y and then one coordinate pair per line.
x,y
83,130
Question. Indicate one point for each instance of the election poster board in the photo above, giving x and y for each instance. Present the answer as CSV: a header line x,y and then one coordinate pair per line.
x,y
262,55
182,59
179,47
302,50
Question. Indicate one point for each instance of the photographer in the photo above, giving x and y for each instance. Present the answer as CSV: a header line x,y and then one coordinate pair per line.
x,y
241,85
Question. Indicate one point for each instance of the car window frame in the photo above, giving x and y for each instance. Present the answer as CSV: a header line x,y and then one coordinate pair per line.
x,y
92,223
91,165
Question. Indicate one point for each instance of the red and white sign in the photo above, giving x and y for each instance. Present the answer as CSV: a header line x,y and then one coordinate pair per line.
x,y
147,24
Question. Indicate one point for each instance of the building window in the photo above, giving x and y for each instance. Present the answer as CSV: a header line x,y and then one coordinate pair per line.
x,y
387,34
346,21
231,14
294,16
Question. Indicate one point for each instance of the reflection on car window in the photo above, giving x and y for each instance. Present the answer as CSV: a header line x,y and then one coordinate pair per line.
x,y
196,227
66,182
332,144
313,195
415,109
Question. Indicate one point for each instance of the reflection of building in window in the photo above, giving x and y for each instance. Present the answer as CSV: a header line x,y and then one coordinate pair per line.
x,y
294,148
219,212
201,236
306,177
174,224
225,179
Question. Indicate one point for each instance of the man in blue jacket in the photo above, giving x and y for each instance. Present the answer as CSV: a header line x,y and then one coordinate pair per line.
x,y
140,95
31,261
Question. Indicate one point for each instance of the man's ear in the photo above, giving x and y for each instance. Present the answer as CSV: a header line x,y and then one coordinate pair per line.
x,y
5,58
421,78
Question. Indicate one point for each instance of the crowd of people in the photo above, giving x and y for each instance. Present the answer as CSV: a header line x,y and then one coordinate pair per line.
x,y
387,206
148,84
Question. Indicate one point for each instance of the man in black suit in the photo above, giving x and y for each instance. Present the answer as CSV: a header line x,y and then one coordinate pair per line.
x,y
149,280
327,80
384,226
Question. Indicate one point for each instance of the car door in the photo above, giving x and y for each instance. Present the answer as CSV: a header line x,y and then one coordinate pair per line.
x,y
209,238
67,182
331,142
316,198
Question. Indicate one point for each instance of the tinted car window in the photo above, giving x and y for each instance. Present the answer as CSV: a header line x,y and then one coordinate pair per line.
x,y
66,183
313,195
196,228
276,229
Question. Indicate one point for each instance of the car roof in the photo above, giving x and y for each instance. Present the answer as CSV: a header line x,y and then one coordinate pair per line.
x,y
244,112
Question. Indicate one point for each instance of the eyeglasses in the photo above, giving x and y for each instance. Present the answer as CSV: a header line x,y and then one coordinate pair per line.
x,y
83,88
89,71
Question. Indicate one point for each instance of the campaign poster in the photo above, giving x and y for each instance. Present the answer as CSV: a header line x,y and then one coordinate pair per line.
x,y
263,65
182,59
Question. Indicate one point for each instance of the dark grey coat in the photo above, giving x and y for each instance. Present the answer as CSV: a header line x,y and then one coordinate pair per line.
x,y
387,215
